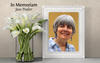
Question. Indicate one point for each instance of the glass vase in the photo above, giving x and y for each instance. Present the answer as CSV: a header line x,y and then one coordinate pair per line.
x,y
24,50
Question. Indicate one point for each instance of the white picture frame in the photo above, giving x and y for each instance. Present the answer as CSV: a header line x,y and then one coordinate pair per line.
x,y
81,52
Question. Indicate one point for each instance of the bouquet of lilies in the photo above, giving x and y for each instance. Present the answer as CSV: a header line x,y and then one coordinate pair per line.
x,y
24,27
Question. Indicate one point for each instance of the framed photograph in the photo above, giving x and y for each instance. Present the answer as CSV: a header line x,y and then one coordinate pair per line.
x,y
64,32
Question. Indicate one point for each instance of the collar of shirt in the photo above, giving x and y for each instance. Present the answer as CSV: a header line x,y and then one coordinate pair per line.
x,y
54,46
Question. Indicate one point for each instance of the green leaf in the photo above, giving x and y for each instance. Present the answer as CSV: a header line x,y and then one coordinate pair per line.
x,y
41,21
19,26
34,17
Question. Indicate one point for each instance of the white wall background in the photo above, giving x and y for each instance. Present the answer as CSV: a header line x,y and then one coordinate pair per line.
x,y
92,24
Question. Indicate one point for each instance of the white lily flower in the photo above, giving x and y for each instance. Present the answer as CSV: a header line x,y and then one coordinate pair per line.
x,y
12,21
15,33
8,27
36,24
25,16
9,21
17,21
15,15
37,27
35,16
26,30
24,19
